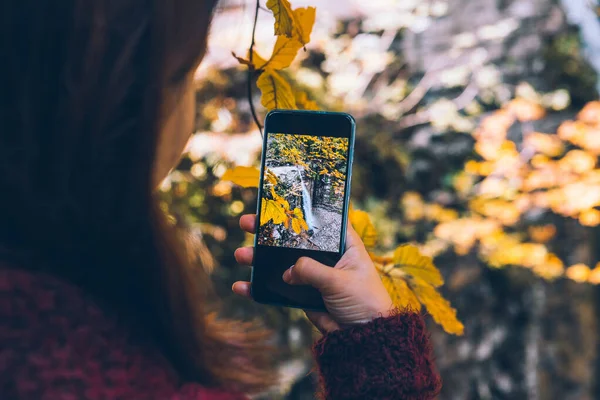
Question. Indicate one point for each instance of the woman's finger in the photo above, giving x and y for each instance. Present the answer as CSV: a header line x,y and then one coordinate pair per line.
x,y
244,255
322,321
242,288
248,223
307,271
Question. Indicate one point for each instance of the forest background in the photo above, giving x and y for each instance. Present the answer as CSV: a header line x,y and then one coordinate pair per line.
x,y
478,141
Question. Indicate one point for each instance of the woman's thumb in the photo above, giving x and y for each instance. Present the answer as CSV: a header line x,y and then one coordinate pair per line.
x,y
307,271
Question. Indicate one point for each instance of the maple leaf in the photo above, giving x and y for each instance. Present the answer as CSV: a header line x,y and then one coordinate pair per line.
x,y
276,92
409,259
284,17
362,224
272,211
438,307
243,176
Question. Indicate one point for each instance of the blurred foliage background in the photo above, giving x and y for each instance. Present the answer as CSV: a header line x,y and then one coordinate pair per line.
x,y
478,139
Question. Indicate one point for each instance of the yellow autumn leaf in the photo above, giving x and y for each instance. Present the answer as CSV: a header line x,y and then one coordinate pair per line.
x,y
542,234
578,273
304,20
594,277
241,60
590,217
362,224
410,260
400,293
303,224
296,225
551,269
283,55
550,145
271,177
257,60
304,103
298,213
284,17
284,203
525,110
243,176
438,307
272,211
299,217
276,92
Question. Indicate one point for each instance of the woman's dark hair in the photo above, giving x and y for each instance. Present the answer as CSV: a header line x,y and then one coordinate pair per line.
x,y
82,104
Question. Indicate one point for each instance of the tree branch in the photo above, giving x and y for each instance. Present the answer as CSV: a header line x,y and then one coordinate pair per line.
x,y
424,117
251,69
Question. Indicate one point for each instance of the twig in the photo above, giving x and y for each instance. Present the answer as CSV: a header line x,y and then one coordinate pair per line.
x,y
251,68
424,117
386,40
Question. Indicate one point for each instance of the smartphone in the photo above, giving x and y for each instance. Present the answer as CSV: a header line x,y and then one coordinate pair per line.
x,y
303,199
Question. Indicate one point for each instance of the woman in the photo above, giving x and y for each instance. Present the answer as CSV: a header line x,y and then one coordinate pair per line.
x,y
98,299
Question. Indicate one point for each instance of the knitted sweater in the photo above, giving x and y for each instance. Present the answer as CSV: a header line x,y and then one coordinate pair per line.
x,y
57,344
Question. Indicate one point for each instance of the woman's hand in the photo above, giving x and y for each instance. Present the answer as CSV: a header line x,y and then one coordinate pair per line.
x,y
352,290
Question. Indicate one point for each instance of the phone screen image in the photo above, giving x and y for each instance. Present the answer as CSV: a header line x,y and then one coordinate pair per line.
x,y
302,206
303,192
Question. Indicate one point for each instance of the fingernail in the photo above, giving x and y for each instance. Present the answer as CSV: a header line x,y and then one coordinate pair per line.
x,y
287,275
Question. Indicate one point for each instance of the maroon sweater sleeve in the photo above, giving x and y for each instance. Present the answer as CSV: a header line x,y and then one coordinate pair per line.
x,y
388,358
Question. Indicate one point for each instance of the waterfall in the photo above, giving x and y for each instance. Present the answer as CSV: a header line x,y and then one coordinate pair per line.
x,y
307,203
583,14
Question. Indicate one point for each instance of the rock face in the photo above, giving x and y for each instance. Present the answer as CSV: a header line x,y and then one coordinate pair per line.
x,y
328,236
510,34
323,214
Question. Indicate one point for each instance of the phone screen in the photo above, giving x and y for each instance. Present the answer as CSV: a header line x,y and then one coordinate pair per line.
x,y
303,201
302,197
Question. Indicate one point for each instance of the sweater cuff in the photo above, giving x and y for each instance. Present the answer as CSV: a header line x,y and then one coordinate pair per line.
x,y
387,358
